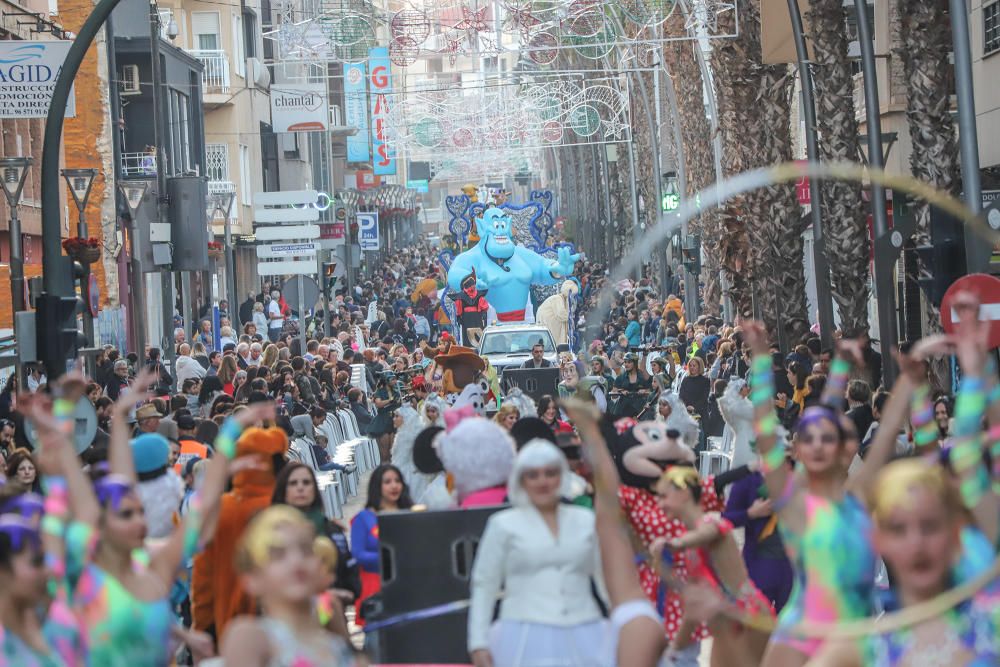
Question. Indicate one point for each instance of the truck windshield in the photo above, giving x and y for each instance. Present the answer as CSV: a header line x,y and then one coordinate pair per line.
x,y
515,342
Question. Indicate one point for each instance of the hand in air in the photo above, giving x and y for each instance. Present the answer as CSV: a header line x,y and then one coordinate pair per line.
x,y
565,262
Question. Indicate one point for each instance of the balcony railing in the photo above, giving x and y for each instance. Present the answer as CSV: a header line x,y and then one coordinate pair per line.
x,y
215,75
138,164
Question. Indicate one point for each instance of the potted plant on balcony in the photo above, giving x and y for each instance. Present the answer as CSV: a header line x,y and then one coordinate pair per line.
x,y
215,249
85,251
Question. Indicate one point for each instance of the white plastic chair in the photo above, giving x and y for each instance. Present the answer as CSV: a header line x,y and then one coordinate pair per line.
x,y
718,457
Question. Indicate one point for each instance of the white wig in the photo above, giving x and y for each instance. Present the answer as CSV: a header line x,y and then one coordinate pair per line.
x,y
478,453
537,453
680,420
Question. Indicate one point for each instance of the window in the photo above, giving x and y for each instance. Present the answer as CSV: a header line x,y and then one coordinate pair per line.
x,y
205,28
217,162
245,183
239,52
249,33
991,28
179,131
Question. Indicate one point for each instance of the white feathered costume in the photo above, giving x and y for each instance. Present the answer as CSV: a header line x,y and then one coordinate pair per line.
x,y
554,312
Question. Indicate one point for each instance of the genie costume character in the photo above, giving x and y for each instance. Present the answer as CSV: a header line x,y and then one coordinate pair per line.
x,y
505,269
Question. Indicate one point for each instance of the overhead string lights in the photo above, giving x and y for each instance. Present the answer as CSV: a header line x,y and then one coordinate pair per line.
x,y
344,30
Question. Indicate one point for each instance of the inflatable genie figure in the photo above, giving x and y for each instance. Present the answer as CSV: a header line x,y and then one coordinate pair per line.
x,y
505,269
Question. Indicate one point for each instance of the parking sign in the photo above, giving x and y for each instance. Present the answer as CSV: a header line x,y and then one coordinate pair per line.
x,y
368,231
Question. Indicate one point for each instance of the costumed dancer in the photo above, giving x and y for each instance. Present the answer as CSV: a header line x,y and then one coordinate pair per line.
x,y
543,555
672,412
479,455
822,518
120,593
555,315
402,450
936,530
432,411
278,565
38,627
471,307
387,492
737,412
714,559
641,451
505,269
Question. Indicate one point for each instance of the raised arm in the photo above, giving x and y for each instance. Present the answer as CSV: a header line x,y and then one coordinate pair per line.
x,y
199,522
119,453
894,414
641,642
835,391
967,449
777,476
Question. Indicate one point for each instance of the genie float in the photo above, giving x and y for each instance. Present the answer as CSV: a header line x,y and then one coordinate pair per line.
x,y
505,269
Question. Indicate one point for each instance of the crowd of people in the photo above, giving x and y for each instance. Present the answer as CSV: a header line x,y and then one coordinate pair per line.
x,y
688,482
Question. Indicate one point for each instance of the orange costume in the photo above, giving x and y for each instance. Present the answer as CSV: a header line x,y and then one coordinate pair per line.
x,y
217,597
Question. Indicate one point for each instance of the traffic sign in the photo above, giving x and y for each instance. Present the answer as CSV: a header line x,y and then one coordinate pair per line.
x,y
987,290
310,291
368,230
84,426
287,250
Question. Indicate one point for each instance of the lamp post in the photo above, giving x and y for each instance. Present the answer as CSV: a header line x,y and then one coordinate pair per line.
x,y
15,171
222,202
133,191
80,182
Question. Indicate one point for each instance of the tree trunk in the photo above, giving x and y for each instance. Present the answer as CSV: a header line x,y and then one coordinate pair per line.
x,y
844,211
696,137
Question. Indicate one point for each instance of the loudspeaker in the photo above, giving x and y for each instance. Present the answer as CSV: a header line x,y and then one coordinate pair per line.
x,y
427,560
534,382
189,222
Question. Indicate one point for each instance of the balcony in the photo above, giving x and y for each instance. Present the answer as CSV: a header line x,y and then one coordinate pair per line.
x,y
215,80
138,165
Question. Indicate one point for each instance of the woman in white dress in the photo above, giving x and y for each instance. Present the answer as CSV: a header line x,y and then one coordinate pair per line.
x,y
737,411
543,555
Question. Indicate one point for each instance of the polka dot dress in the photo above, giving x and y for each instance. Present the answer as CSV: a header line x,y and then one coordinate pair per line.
x,y
649,523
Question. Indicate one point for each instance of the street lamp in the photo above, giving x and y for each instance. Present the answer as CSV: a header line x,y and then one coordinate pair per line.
x,y
133,192
222,202
15,171
80,181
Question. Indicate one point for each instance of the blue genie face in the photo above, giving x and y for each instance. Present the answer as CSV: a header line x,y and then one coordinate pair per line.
x,y
495,231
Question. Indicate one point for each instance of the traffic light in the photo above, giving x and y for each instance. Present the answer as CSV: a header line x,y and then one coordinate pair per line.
x,y
942,262
329,277
691,254
58,337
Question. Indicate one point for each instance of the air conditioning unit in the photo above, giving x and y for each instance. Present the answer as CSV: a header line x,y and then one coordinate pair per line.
x,y
130,80
258,73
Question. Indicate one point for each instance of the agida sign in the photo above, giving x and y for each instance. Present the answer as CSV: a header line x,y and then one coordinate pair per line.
x,y
299,107
28,73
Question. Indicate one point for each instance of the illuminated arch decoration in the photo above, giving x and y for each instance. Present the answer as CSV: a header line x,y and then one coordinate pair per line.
x,y
343,30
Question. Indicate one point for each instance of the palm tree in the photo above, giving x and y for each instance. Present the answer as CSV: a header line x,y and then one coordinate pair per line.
x,y
696,136
844,212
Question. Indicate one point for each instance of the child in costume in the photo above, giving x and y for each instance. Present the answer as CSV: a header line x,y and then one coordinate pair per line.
x,y
713,558
279,566
933,530
216,593
478,455
641,450
821,514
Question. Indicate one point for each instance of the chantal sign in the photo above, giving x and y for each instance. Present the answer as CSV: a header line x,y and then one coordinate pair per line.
x,y
28,73
299,107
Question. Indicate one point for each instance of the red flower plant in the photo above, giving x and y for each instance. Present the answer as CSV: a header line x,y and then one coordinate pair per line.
x,y
76,244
